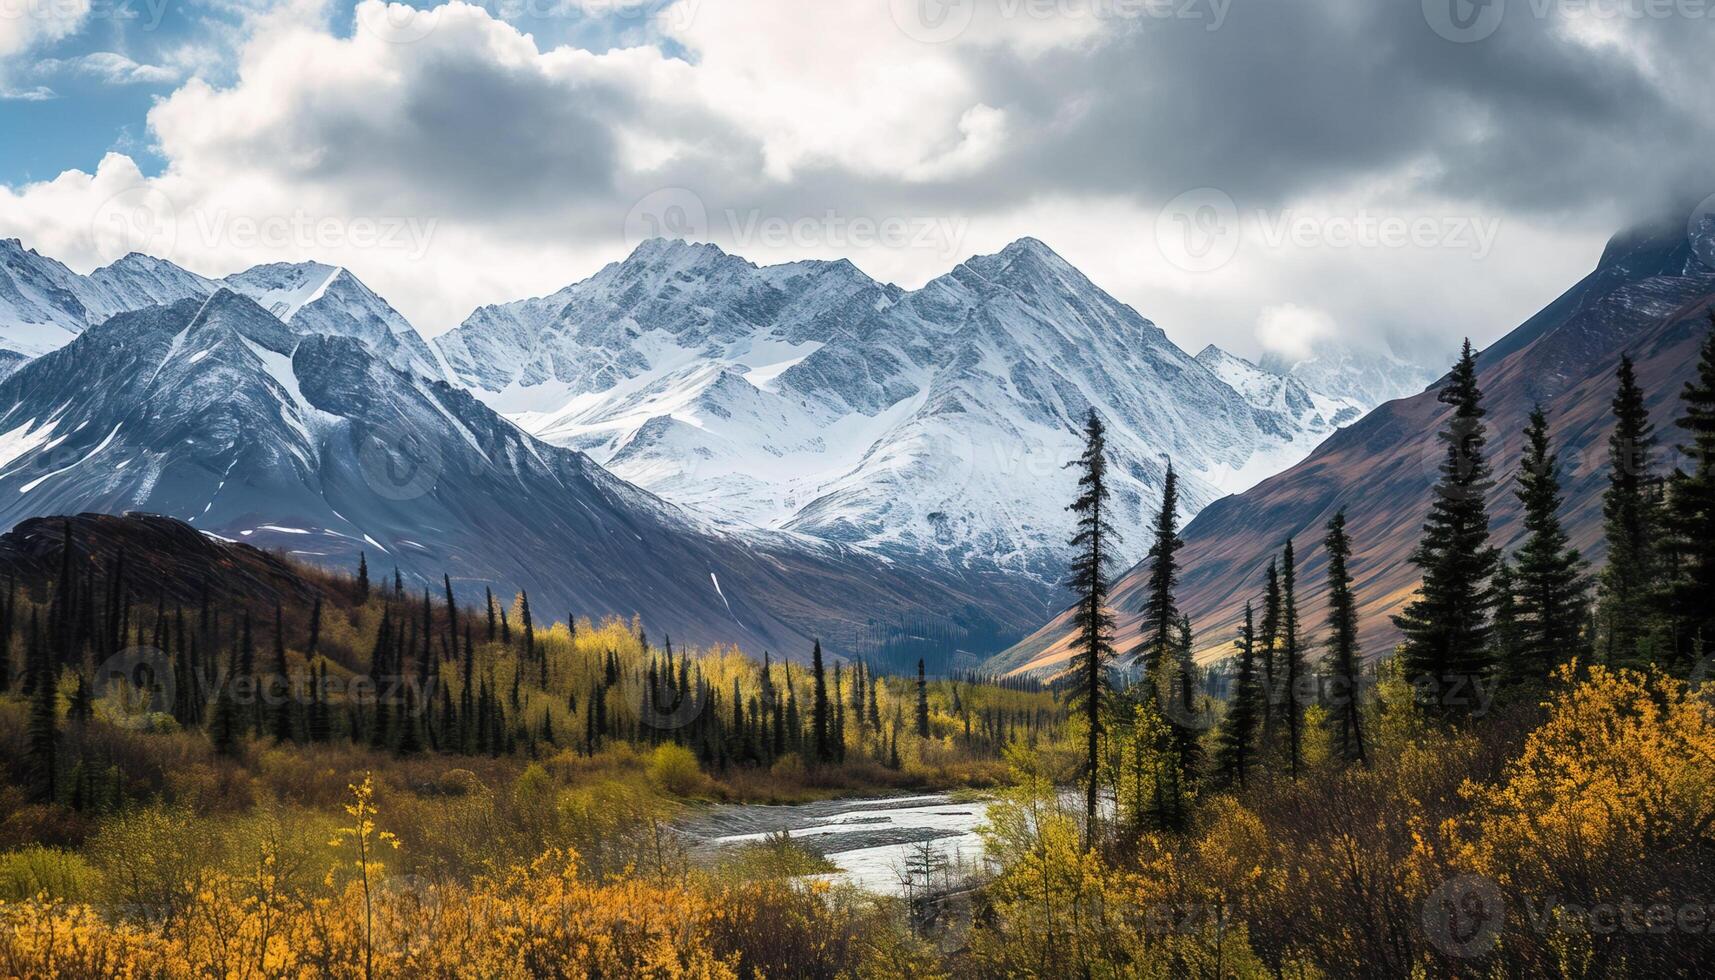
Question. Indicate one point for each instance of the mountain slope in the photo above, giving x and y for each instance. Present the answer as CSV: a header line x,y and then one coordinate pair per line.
x,y
1648,295
214,411
931,426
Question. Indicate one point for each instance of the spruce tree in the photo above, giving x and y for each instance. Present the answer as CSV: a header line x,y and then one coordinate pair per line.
x,y
1266,640
362,577
1446,626
410,741
1630,518
922,702
43,733
321,722
452,612
819,721
1346,715
1293,668
1548,582
1236,748
1160,611
1690,519
379,677
281,685
1092,621
8,616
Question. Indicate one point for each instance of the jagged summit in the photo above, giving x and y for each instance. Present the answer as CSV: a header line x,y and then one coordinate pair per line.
x,y
810,397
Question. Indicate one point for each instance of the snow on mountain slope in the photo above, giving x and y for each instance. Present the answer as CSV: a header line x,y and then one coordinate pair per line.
x,y
215,412
934,422
1362,376
329,300
43,304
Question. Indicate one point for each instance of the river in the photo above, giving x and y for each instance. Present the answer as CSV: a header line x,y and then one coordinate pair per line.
x,y
869,839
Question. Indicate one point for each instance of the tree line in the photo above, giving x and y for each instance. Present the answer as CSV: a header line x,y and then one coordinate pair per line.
x,y
1483,625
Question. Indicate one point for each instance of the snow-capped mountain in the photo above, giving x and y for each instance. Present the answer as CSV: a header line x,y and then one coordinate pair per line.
x,y
329,300
809,397
43,304
1366,376
260,430
1280,395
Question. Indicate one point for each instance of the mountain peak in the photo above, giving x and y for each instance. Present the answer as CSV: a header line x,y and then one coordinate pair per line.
x,y
1030,246
677,249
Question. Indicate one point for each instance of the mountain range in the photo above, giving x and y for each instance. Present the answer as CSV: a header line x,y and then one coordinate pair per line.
x,y
1648,296
929,424
809,452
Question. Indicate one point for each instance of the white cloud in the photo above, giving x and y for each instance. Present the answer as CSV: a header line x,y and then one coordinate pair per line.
x,y
519,165
25,23
1292,331
110,67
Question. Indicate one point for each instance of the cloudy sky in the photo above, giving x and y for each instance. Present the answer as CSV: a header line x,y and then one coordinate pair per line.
x,y
1254,173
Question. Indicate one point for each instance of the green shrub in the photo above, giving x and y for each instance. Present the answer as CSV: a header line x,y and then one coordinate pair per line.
x,y
34,870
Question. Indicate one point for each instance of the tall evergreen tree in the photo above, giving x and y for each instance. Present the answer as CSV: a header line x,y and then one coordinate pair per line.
x,y
362,577
1446,626
1346,715
1160,611
1503,629
1092,621
8,618
1236,749
1690,519
922,701
452,613
819,721
1552,594
281,709
380,677
1266,641
43,732
1293,668
1630,520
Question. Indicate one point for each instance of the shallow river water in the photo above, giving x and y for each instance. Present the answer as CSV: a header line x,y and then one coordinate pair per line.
x,y
868,839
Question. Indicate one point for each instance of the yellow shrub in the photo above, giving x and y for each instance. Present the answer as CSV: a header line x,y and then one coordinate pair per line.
x,y
674,768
